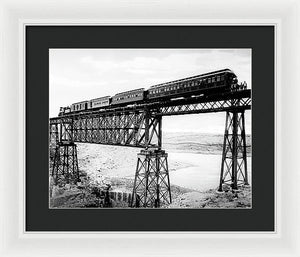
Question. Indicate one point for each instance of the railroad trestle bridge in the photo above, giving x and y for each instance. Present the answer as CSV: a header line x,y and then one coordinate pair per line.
x,y
141,126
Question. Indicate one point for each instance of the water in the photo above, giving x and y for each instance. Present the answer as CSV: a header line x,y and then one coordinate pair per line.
x,y
202,156
204,172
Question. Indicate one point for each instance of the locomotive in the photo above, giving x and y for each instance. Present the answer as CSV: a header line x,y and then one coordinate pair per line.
x,y
205,84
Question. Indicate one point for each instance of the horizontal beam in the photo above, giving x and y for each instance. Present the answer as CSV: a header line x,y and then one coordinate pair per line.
x,y
201,104
206,107
169,112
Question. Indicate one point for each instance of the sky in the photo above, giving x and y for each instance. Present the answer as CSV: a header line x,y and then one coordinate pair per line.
x,y
83,74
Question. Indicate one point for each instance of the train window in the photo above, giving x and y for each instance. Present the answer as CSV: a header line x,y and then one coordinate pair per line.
x,y
222,77
213,79
209,80
218,78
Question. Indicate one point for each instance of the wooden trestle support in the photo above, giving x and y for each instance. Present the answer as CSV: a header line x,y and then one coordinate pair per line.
x,y
234,158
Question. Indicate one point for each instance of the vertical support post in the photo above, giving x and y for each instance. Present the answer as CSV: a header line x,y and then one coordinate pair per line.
x,y
147,168
159,118
234,150
157,200
147,127
244,148
135,182
224,153
168,177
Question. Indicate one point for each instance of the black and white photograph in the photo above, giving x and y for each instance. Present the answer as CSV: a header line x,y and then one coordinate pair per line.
x,y
150,128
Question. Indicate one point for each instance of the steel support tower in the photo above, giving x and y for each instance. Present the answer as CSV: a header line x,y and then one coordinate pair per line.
x,y
65,165
152,183
234,158
65,162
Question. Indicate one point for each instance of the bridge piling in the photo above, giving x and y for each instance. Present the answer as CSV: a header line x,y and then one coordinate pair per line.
x,y
65,162
234,158
152,183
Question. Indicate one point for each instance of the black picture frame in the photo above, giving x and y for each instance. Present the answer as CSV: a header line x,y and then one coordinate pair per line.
x,y
38,41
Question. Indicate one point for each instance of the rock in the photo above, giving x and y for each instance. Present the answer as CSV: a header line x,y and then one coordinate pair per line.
x,y
55,191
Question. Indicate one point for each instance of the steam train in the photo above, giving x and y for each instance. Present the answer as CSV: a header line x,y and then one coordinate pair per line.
x,y
205,84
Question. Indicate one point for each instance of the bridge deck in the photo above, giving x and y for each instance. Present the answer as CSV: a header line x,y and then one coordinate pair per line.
x,y
200,104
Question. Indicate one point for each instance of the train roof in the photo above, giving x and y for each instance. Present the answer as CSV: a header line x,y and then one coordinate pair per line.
x,y
130,91
102,97
192,77
81,102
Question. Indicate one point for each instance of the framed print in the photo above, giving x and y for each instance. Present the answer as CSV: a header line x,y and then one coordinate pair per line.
x,y
168,171
169,96
157,137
